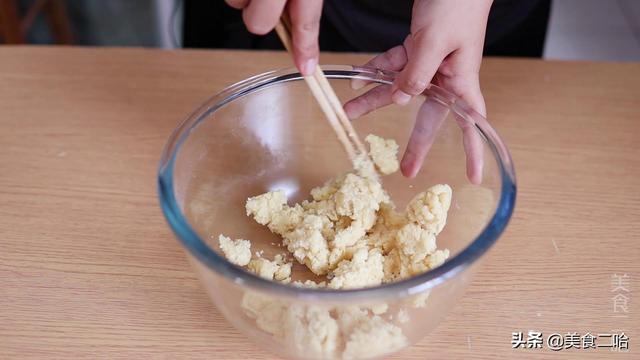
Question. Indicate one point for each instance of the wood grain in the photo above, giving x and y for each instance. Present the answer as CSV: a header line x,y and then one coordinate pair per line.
x,y
88,268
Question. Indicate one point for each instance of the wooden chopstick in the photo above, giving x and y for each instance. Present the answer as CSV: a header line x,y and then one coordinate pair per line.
x,y
338,109
326,98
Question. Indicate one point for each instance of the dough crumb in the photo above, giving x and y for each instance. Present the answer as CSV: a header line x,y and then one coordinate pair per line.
x,y
403,316
236,251
420,300
384,154
374,336
309,284
429,209
363,270
263,207
277,269
311,330
379,309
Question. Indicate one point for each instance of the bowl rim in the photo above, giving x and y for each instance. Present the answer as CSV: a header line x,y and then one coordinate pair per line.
x,y
410,286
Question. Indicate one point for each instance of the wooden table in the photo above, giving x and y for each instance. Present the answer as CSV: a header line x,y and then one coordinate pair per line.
x,y
89,269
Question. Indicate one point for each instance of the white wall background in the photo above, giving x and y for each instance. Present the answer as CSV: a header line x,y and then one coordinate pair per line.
x,y
594,30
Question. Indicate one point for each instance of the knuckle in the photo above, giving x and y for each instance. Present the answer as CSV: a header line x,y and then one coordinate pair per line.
x,y
306,47
413,85
464,125
368,102
399,54
310,26
420,129
425,35
389,57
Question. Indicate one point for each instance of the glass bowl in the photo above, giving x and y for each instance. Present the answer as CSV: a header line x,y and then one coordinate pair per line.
x,y
267,133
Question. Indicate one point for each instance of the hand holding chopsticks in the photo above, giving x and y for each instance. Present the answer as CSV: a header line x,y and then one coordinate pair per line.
x,y
327,99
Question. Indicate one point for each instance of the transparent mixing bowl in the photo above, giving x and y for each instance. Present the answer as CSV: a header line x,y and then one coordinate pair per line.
x,y
268,133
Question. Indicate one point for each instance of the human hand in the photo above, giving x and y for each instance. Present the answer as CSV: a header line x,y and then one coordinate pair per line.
x,y
436,51
261,16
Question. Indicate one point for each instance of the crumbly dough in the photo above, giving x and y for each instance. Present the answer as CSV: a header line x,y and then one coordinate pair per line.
x,y
383,153
373,335
278,269
350,332
403,316
236,251
353,215
364,269
429,209
350,233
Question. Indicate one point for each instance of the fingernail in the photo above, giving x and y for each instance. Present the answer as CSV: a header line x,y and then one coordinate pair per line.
x,y
400,97
357,84
308,67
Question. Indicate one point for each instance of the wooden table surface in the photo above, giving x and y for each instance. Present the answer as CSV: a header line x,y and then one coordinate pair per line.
x,y
89,269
